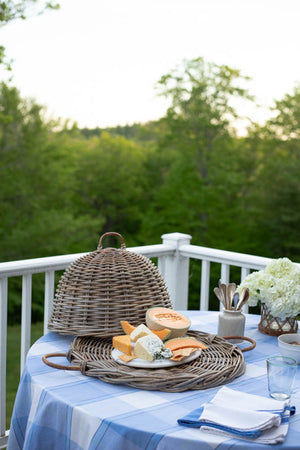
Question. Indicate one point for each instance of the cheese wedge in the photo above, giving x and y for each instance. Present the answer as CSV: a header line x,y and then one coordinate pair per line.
x,y
122,343
139,332
150,347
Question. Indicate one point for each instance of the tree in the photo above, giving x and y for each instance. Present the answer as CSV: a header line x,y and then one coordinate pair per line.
x,y
11,10
109,183
38,217
196,187
37,184
286,123
275,194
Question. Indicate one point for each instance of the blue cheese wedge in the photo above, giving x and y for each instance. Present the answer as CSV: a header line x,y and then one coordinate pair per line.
x,y
150,347
139,332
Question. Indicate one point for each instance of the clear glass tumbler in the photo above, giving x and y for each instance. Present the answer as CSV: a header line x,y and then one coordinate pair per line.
x,y
281,372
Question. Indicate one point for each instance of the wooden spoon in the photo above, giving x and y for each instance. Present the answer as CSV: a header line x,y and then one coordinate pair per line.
x,y
223,288
220,295
243,298
230,289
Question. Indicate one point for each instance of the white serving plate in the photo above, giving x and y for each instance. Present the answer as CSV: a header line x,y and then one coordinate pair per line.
x,y
156,364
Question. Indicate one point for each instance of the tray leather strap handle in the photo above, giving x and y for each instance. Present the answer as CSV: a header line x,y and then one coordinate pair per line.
x,y
244,338
58,366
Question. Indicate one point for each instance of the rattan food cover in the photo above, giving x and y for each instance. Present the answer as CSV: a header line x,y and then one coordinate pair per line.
x,y
106,286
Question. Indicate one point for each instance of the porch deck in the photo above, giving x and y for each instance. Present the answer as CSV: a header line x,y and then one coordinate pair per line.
x,y
173,259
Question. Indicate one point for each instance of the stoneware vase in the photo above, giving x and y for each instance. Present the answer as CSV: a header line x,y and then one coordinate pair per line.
x,y
231,323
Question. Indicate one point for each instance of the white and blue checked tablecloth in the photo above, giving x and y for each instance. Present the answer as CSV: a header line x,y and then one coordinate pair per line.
x,y
57,409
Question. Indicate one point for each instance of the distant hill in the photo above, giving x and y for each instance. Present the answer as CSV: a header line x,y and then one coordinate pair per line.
x,y
139,132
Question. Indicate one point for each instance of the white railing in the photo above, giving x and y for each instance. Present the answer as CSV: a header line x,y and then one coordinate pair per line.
x,y
173,256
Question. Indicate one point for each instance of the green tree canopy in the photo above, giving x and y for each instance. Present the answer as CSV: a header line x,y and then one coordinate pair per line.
x,y
286,123
198,152
274,197
11,10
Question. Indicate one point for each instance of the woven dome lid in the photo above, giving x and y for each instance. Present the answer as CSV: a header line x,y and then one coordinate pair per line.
x,y
103,287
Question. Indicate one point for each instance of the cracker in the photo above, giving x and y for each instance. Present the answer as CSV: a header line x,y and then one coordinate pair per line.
x,y
126,358
182,353
188,350
176,358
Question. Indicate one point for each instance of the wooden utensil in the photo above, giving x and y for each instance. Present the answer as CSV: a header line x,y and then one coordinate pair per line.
x,y
220,295
223,288
243,298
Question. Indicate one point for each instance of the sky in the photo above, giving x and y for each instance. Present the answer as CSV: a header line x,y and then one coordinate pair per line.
x,y
97,62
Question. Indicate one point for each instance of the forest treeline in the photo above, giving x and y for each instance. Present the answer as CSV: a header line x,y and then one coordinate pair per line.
x,y
62,187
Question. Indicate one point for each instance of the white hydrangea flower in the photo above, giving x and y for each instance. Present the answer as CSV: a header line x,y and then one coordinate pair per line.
x,y
278,286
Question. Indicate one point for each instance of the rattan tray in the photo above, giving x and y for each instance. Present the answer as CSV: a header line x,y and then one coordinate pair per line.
x,y
218,365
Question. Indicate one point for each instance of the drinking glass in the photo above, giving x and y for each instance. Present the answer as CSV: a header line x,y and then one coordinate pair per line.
x,y
281,372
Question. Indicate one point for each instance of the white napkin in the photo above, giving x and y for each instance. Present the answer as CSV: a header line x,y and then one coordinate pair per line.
x,y
246,416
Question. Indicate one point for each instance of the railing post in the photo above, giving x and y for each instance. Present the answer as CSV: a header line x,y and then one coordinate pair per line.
x,y
244,272
48,297
204,289
225,274
176,270
3,341
26,318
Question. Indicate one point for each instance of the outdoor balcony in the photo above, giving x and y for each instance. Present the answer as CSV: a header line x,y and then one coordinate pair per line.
x,y
173,259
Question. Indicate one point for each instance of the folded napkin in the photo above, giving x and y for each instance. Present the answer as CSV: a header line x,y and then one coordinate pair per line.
x,y
242,415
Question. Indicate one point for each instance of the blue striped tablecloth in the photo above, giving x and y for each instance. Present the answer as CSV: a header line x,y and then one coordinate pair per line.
x,y
56,409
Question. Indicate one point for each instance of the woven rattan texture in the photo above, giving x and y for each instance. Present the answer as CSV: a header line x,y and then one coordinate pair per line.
x,y
218,365
103,286
274,326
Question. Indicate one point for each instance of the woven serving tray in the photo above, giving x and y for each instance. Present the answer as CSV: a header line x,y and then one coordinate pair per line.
x,y
218,365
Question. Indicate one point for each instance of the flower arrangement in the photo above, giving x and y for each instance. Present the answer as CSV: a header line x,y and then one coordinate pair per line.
x,y
278,286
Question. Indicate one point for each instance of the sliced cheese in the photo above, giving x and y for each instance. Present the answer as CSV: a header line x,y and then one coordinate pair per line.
x,y
122,343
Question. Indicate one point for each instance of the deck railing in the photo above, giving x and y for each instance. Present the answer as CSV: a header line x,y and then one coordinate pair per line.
x,y
173,257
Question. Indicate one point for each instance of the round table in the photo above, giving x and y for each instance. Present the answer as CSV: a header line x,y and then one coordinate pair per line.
x,y
60,409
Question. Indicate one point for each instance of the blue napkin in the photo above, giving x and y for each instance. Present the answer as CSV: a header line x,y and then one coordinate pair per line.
x,y
242,415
